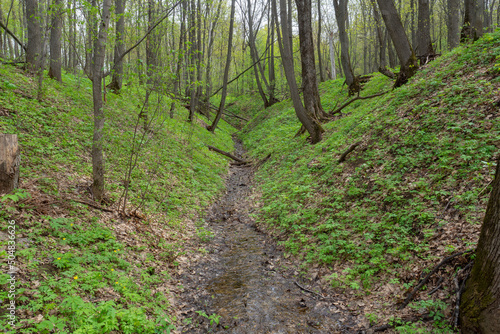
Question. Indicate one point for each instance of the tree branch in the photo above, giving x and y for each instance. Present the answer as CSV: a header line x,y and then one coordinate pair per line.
x,y
4,27
339,109
229,155
120,58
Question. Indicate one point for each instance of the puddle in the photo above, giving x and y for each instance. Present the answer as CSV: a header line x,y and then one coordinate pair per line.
x,y
242,278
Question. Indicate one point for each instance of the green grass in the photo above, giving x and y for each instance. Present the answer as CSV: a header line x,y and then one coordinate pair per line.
x,y
87,271
380,213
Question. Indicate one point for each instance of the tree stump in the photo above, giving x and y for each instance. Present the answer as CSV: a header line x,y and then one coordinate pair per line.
x,y
9,163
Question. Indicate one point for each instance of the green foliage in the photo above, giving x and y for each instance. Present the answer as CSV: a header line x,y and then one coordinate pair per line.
x,y
423,144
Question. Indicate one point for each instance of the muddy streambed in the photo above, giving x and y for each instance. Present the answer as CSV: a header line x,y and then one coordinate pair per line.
x,y
242,280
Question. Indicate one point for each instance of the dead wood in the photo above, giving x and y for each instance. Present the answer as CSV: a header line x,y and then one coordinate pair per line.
x,y
424,281
91,204
460,289
385,71
229,155
307,290
349,150
339,109
423,317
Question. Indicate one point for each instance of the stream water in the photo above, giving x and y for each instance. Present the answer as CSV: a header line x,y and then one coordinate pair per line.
x,y
242,278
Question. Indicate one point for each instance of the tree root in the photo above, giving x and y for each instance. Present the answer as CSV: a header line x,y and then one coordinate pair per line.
x,y
424,281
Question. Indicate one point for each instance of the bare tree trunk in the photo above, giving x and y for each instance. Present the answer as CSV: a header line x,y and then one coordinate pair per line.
x,y
473,25
34,45
91,31
480,306
320,63
211,37
312,101
10,159
97,142
309,123
212,127
180,56
407,59
453,23
117,79
272,73
341,15
424,30
332,58
55,40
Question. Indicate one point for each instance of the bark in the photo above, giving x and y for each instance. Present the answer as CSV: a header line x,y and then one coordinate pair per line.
x,y
91,30
473,26
180,57
309,123
341,15
312,101
480,306
320,63
9,163
34,45
272,72
211,37
253,54
97,142
55,40
406,56
117,79
333,73
453,23
212,127
424,48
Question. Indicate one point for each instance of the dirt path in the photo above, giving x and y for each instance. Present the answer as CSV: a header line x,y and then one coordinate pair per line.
x,y
245,280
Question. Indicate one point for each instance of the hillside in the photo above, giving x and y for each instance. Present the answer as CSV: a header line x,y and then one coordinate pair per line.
x,y
87,268
412,192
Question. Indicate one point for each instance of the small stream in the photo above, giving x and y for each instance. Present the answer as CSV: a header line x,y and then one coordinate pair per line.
x,y
243,279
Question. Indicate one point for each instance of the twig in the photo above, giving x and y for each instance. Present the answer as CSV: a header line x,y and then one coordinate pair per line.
x,y
229,155
307,290
349,150
422,283
485,188
339,109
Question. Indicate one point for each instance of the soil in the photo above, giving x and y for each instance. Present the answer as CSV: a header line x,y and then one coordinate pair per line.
x,y
244,282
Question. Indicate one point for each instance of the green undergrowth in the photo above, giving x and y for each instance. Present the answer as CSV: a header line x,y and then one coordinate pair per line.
x,y
425,158
84,270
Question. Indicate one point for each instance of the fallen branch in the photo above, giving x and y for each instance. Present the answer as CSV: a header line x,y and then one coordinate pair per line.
x,y
392,324
307,290
229,155
438,285
4,27
339,109
91,204
228,113
422,282
349,150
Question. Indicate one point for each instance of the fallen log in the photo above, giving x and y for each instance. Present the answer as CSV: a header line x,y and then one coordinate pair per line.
x,y
229,155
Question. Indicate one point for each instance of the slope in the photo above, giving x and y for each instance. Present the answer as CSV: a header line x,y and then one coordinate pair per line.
x,y
412,192
82,267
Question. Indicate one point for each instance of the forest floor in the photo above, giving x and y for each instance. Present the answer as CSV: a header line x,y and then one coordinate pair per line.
x,y
245,284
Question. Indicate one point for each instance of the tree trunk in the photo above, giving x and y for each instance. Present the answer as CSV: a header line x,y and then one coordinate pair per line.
x,y
309,123
9,163
212,127
473,26
333,73
480,306
97,142
180,56
424,30
34,45
320,63
55,41
407,59
312,101
453,23
117,79
91,31
341,15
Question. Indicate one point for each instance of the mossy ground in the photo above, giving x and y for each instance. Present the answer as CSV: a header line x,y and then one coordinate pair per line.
x,y
82,270
413,191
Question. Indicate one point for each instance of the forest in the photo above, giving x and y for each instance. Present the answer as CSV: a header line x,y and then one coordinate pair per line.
x,y
264,166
